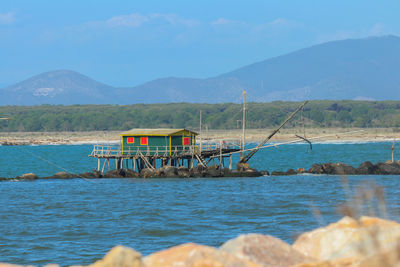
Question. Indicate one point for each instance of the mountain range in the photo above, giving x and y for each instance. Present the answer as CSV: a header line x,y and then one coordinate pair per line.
x,y
360,69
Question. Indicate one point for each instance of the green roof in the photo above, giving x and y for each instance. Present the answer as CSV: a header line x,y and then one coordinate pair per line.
x,y
160,131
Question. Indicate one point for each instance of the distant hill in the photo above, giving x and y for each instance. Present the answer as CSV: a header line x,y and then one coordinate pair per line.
x,y
361,69
57,87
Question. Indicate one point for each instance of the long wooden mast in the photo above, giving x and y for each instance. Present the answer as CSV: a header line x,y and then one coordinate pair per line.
x,y
244,122
251,154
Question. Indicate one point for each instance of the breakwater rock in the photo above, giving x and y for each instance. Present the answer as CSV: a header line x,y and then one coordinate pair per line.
x,y
164,172
363,242
365,168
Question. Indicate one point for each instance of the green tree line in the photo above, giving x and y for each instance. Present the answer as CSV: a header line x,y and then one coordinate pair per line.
x,y
186,115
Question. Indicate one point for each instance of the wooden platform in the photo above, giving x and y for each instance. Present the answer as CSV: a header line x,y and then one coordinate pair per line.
x,y
160,156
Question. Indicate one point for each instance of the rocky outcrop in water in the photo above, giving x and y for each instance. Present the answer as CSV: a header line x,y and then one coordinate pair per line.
x,y
365,168
364,242
164,172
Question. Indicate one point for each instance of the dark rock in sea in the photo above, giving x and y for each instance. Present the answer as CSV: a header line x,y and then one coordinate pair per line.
x,y
366,168
62,175
332,169
328,168
344,169
94,174
183,172
316,169
278,173
213,171
168,171
291,172
251,173
265,173
389,168
232,173
3,179
131,174
27,176
197,171
114,174
147,173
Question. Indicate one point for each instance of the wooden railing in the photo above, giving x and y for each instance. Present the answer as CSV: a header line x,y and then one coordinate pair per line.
x,y
116,151
162,151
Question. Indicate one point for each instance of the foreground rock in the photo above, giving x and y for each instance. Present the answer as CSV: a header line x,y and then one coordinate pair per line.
x,y
350,242
367,242
264,250
197,256
120,256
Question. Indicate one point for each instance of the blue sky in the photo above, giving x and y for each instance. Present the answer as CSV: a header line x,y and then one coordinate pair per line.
x,y
125,43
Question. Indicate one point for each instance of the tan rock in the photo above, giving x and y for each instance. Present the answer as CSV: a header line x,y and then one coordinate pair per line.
x,y
346,262
194,255
264,250
349,238
120,256
389,258
29,176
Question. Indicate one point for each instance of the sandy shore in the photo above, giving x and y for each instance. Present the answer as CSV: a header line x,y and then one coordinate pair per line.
x,y
252,135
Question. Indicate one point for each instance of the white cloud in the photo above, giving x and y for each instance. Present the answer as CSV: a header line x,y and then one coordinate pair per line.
x,y
280,22
7,18
136,20
221,21
132,20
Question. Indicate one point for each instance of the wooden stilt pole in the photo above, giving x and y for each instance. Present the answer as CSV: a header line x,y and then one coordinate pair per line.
x,y
98,164
104,165
230,161
220,154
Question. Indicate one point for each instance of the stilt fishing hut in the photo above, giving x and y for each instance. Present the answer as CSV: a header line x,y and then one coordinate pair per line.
x,y
153,148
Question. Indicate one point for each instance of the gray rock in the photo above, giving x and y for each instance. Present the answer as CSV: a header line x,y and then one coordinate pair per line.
x,y
114,174
147,173
316,169
183,172
391,168
168,171
131,174
342,169
366,168
329,168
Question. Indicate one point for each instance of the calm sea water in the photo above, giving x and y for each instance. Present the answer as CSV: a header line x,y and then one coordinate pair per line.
x,y
77,221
